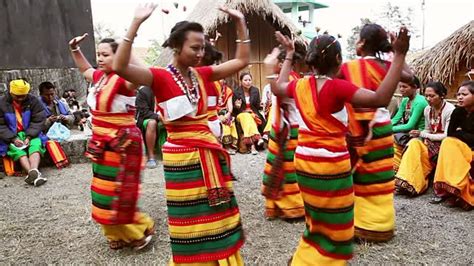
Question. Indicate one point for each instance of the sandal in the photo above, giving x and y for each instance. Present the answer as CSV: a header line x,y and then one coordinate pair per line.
x,y
151,164
115,245
141,244
437,200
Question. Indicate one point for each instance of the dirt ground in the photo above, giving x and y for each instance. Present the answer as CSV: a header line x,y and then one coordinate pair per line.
x,y
52,224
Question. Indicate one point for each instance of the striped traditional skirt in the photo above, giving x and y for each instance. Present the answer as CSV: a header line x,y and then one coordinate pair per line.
x,y
104,191
199,233
325,181
374,185
453,172
290,203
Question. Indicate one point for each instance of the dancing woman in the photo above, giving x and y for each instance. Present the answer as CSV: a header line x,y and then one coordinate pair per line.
x,y
203,216
322,160
115,149
282,194
421,154
370,139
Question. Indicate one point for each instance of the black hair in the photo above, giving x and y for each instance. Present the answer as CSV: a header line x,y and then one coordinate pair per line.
x,y
243,74
282,55
45,86
211,55
178,33
111,42
415,82
376,39
323,52
438,88
469,84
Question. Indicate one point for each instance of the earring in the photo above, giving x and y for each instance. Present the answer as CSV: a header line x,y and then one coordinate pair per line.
x,y
175,51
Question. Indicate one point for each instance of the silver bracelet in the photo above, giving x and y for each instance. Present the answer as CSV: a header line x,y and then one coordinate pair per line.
x,y
243,41
125,39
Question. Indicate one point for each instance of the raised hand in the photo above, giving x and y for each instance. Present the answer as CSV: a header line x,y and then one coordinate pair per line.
x,y
143,11
401,42
288,43
233,13
74,42
271,60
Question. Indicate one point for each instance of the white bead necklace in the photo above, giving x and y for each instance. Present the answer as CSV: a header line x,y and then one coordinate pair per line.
x,y
191,92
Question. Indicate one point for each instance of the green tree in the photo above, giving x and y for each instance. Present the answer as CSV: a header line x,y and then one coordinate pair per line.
x,y
391,18
153,52
101,31
351,41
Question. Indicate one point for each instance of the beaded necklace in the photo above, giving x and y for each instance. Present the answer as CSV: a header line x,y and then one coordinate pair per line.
x,y
435,120
191,92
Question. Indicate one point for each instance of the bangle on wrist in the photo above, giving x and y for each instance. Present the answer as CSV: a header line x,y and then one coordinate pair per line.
x,y
274,76
243,41
288,58
125,39
75,49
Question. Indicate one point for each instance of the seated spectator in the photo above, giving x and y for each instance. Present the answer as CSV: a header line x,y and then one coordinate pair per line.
x,y
229,137
149,122
453,179
246,102
21,120
421,153
70,97
408,117
55,109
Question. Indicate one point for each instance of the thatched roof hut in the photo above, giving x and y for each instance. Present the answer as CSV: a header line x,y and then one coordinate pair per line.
x,y
449,60
263,19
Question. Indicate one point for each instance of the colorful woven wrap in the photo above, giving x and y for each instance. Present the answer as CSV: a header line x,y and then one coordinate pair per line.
x,y
203,215
453,176
116,151
57,153
283,198
372,160
323,171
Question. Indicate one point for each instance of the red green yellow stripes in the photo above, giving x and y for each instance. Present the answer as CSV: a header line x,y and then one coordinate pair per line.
x,y
199,232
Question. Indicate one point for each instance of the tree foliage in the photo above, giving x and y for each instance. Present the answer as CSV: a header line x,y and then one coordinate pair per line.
x,y
101,31
153,52
391,18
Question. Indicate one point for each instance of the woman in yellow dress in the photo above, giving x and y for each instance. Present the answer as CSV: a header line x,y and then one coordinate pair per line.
x,y
247,114
453,179
421,154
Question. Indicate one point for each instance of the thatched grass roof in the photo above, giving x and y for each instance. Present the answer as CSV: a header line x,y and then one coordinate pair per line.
x,y
447,57
205,12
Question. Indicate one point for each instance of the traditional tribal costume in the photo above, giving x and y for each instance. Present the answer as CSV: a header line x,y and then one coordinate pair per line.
x,y
323,171
372,160
454,171
116,152
203,216
421,154
282,194
229,130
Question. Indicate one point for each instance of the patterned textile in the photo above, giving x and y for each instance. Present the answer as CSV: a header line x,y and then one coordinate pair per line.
x,y
323,171
203,216
372,160
452,176
116,152
416,165
57,154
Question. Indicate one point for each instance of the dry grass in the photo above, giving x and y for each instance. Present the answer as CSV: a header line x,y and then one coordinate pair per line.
x,y
52,225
